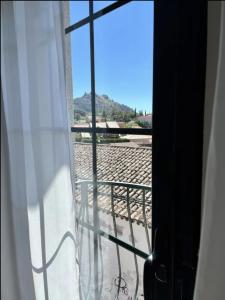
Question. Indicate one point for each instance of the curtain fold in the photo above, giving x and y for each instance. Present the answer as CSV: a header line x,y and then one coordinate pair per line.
x,y
41,200
211,266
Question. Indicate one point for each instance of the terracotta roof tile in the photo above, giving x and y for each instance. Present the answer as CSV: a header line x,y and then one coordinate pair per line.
x,y
121,164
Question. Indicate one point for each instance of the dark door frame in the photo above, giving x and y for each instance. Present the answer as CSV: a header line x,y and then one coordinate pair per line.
x,y
180,35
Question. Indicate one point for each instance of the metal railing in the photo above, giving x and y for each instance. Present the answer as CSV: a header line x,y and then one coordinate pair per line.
x,y
83,221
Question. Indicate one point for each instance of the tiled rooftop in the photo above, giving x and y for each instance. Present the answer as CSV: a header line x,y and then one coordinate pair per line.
x,y
118,163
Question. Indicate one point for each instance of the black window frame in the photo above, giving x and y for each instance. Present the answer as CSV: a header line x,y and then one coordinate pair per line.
x,y
179,62
180,43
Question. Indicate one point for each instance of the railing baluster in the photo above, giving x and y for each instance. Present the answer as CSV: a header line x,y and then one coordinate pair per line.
x,y
89,243
80,237
102,269
133,244
101,260
145,222
81,206
117,246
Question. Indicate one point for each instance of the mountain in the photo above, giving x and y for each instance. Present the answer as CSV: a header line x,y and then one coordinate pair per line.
x,y
103,103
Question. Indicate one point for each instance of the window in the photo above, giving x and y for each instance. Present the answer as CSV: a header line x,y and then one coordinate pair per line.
x,y
138,194
112,66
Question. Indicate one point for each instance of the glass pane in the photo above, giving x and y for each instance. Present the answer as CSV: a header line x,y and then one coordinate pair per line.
x,y
98,5
125,162
83,176
78,11
124,65
81,76
82,142
123,74
120,163
124,214
118,274
128,162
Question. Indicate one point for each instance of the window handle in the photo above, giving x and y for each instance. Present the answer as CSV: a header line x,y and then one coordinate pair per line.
x,y
149,271
149,276
154,271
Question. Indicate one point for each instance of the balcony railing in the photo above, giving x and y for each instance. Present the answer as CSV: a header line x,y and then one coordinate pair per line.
x,y
129,203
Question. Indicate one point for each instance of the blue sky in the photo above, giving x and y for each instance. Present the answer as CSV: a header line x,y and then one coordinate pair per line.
x,y
123,53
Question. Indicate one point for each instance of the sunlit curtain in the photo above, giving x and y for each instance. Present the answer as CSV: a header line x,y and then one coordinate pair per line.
x,y
37,132
210,283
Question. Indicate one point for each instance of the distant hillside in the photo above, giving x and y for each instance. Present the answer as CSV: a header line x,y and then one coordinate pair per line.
x,y
103,103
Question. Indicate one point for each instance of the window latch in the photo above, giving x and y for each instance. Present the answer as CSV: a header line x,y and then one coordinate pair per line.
x,y
153,271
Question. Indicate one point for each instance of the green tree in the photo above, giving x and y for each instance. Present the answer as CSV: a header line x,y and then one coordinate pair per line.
x,y
104,115
76,116
114,115
127,117
144,124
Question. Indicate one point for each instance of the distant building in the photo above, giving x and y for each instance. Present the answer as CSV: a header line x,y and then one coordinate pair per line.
x,y
108,124
139,139
113,124
147,118
100,125
85,135
80,125
121,124
97,118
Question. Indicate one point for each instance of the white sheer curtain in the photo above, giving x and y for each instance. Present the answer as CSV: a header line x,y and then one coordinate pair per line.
x,y
40,200
210,283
